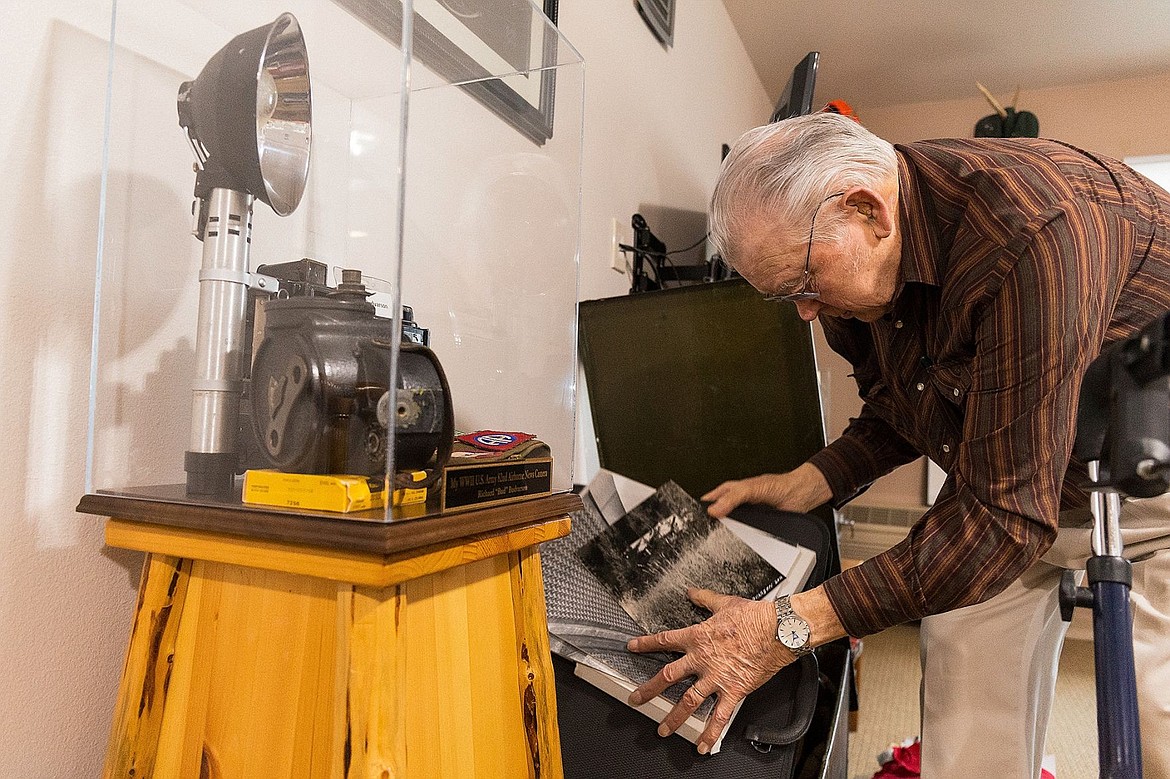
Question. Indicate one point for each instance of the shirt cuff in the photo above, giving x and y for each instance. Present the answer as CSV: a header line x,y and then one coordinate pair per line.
x,y
848,467
873,596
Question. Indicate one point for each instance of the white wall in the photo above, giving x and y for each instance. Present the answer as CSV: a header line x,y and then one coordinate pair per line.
x,y
654,122
1118,118
64,599
654,119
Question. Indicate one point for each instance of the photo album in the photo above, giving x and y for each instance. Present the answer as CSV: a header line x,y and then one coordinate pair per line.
x,y
624,570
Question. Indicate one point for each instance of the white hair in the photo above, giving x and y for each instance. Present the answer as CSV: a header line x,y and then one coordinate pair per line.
x,y
785,169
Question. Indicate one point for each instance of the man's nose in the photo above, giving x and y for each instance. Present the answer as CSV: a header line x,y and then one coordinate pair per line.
x,y
808,309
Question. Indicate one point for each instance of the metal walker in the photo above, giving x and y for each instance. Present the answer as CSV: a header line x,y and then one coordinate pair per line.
x,y
1123,432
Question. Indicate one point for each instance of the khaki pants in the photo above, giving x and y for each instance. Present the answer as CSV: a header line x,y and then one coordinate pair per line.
x,y
989,670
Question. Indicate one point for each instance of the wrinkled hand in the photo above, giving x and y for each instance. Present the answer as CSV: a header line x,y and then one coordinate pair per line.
x,y
801,490
730,654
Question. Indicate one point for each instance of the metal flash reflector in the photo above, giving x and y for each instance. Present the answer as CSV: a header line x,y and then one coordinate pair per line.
x,y
248,115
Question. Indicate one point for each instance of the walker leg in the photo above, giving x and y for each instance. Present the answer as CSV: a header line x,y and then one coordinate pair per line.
x,y
1110,578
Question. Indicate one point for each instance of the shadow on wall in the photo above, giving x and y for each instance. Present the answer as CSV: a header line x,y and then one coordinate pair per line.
x,y
149,301
678,228
65,600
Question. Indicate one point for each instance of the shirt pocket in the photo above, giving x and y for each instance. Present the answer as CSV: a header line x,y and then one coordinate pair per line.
x,y
951,382
945,410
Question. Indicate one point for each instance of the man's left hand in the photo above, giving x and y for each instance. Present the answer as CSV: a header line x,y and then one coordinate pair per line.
x,y
730,654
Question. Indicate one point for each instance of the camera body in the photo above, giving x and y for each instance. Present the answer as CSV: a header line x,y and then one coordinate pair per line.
x,y
318,398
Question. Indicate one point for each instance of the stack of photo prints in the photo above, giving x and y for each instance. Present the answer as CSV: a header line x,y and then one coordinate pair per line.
x,y
624,570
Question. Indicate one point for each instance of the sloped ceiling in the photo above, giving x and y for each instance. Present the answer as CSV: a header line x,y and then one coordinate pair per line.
x,y
879,54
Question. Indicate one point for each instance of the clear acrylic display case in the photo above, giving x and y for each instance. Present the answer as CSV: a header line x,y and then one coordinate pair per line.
x,y
444,165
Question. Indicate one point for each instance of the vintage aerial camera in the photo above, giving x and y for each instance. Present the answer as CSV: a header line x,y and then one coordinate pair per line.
x,y
314,395
318,399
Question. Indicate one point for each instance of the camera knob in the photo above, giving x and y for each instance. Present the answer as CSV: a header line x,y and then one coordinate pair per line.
x,y
383,411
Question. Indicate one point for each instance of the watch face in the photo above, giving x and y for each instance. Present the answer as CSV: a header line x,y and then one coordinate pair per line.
x,y
792,632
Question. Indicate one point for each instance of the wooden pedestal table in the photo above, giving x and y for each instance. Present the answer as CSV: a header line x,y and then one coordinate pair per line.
x,y
273,644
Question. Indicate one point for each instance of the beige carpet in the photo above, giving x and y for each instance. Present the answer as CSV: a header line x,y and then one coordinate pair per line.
x,y
889,705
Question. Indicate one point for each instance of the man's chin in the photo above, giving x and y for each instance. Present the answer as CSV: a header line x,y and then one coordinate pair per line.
x,y
868,314
860,314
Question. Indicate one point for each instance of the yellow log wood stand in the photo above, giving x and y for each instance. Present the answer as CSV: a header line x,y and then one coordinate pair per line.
x,y
259,658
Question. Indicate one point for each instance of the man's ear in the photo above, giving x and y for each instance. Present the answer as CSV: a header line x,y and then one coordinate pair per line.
x,y
873,207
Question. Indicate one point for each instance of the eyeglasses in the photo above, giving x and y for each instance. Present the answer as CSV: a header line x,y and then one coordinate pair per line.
x,y
802,291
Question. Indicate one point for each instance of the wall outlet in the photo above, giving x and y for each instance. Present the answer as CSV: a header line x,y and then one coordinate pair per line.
x,y
617,260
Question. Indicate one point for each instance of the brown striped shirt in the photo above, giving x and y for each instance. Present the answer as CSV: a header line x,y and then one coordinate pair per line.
x,y
1021,260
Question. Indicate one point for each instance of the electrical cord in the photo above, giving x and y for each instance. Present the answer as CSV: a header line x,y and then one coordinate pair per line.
x,y
662,256
624,248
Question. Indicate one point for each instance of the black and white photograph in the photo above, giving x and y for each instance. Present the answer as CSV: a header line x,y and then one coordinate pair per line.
x,y
585,619
664,545
586,623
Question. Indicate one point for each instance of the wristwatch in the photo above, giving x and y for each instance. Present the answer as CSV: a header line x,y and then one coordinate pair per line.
x,y
792,631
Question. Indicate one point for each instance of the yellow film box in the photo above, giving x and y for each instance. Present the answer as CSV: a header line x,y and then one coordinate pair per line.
x,y
342,493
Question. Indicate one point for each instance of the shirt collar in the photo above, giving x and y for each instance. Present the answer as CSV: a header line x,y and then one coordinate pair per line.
x,y
920,241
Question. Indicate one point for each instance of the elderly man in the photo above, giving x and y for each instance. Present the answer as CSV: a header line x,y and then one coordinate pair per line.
x,y
969,283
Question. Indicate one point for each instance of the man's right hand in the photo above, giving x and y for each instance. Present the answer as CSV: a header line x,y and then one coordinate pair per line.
x,y
800,490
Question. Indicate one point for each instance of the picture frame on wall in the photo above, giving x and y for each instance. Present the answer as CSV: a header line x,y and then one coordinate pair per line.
x,y
473,42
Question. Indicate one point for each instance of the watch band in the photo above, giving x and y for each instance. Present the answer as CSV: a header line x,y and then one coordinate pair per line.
x,y
784,612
